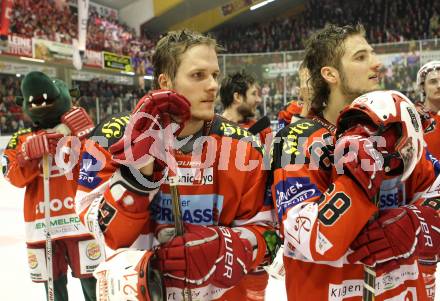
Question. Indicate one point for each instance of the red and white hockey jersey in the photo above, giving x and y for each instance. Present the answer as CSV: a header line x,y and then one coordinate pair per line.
x,y
227,191
63,185
322,213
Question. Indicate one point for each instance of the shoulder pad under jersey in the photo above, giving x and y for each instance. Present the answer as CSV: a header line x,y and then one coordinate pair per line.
x,y
12,144
290,144
111,128
226,128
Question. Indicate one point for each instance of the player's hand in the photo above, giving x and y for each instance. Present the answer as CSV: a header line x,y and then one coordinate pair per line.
x,y
37,146
364,157
427,118
397,234
148,128
204,255
78,121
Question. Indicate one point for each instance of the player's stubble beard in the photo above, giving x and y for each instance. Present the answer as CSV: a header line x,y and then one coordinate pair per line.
x,y
351,93
245,110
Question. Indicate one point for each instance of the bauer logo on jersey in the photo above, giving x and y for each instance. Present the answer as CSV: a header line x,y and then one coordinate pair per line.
x,y
88,173
194,176
196,209
292,191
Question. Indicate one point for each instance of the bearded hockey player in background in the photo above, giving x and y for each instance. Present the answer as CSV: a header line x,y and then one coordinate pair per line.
x,y
325,197
48,104
240,97
428,82
226,222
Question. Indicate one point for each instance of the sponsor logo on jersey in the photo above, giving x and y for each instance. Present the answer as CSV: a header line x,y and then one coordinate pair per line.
x,y
115,127
391,195
292,191
202,209
290,145
55,205
194,176
32,260
88,174
412,115
384,283
92,251
66,222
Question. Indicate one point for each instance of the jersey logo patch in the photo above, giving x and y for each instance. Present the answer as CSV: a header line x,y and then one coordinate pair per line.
x,y
196,209
292,191
194,176
88,174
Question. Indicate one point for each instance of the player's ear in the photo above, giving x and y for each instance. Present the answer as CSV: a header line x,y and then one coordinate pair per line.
x,y
164,81
237,97
330,74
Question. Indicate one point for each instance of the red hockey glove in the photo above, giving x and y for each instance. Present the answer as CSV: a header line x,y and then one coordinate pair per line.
x,y
205,255
78,121
398,233
357,154
37,146
151,116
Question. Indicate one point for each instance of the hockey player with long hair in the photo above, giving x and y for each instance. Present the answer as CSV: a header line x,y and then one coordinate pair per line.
x,y
348,187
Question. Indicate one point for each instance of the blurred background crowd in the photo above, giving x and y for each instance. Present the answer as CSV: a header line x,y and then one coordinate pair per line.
x,y
404,23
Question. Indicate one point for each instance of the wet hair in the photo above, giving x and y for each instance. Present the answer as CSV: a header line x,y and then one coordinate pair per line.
x,y
238,82
326,48
168,51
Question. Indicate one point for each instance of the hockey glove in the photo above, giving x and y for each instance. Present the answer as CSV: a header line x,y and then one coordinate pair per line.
x,y
37,146
205,255
357,154
398,233
78,121
148,128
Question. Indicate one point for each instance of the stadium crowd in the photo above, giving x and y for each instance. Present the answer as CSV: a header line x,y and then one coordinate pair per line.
x,y
385,21
105,33
11,115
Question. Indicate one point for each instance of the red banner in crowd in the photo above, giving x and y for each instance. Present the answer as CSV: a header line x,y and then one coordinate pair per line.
x,y
19,46
5,16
